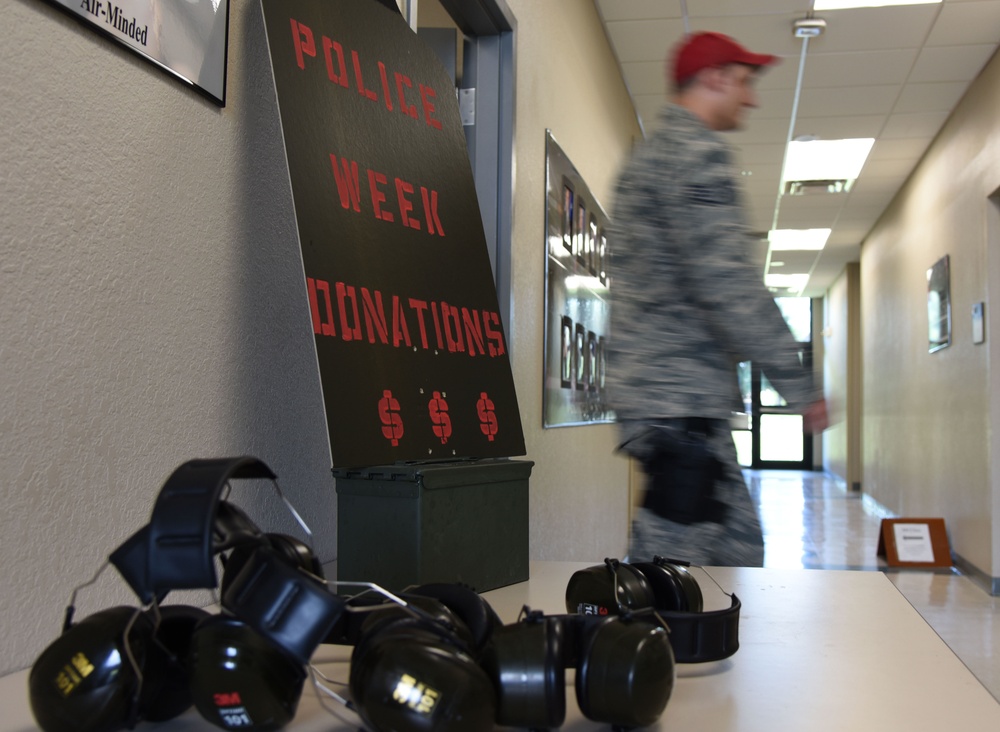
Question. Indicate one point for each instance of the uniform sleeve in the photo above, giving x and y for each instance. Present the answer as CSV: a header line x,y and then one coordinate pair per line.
x,y
720,276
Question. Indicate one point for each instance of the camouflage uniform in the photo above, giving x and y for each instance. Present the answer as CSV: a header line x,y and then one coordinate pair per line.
x,y
688,305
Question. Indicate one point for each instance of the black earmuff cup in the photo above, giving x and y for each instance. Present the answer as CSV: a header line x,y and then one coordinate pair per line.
x,y
405,676
166,679
606,589
626,672
239,679
524,661
475,613
674,588
84,681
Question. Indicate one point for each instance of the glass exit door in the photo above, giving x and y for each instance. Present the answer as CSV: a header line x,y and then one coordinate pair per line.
x,y
774,436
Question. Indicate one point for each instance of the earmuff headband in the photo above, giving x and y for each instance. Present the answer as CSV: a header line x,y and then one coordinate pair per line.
x,y
705,636
179,532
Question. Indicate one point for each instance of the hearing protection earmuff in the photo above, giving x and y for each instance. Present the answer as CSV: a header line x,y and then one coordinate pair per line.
x,y
436,658
414,667
624,669
667,587
112,669
244,667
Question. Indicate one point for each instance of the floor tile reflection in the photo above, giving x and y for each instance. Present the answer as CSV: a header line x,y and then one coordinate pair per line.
x,y
811,521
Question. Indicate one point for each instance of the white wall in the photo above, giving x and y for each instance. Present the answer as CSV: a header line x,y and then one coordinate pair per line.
x,y
152,302
929,418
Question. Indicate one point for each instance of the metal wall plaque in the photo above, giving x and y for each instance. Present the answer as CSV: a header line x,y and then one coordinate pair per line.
x,y
186,38
577,306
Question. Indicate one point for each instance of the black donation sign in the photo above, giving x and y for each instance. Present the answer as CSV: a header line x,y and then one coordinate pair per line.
x,y
412,354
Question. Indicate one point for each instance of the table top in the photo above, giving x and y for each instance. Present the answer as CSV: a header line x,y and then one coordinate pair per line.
x,y
819,650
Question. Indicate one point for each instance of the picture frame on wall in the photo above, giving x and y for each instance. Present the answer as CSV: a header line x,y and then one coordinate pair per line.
x,y
187,39
939,305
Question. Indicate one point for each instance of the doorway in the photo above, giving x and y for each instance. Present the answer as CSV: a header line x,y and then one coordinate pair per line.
x,y
476,42
774,436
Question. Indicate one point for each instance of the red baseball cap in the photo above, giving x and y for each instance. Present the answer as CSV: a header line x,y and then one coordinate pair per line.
x,y
705,50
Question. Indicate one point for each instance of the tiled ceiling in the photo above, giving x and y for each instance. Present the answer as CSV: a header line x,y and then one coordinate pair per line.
x,y
892,73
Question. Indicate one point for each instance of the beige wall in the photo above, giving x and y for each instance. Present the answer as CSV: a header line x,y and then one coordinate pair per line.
x,y
929,417
841,331
567,81
152,309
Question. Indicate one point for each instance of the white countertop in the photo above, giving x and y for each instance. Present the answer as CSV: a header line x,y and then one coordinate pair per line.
x,y
820,650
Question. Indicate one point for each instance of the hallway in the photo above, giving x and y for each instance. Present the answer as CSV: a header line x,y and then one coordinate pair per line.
x,y
811,521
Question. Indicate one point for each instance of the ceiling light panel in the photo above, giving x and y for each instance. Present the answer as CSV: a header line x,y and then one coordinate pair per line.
x,y
826,159
783,240
793,282
844,4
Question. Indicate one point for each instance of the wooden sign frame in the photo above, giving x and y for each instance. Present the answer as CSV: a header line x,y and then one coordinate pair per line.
x,y
927,541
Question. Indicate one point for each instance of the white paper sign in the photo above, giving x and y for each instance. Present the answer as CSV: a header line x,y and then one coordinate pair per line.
x,y
913,542
188,38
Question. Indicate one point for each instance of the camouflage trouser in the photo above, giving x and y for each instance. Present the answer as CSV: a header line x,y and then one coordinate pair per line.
x,y
730,537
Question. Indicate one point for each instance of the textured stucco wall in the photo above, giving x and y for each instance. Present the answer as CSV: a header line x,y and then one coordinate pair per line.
x,y
152,306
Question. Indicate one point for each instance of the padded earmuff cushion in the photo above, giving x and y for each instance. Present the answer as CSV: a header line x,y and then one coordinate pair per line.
x,y
475,613
406,675
674,588
297,552
232,527
525,663
240,679
166,678
84,681
432,612
625,671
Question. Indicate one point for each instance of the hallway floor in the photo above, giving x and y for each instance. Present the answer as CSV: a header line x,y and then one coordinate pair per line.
x,y
811,521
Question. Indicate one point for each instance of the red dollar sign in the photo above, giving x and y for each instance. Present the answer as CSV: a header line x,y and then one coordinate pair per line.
x,y
487,417
438,408
388,412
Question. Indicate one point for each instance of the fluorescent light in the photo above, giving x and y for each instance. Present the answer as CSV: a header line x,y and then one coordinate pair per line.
x,y
826,159
795,282
842,4
784,240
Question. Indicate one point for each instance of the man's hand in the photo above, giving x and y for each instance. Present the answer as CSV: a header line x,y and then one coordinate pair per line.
x,y
815,418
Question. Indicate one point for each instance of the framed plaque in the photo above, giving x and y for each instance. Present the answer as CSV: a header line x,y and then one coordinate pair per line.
x,y
186,38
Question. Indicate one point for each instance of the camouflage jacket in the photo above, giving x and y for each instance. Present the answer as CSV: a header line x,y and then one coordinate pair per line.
x,y
688,300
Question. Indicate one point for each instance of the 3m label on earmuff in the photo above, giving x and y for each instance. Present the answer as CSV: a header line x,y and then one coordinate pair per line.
x,y
232,713
73,673
415,695
586,608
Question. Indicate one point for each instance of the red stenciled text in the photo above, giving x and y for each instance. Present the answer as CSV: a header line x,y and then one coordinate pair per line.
x,y
363,315
398,200
395,91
